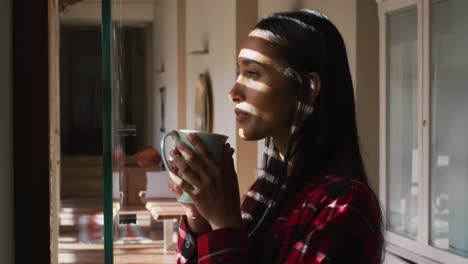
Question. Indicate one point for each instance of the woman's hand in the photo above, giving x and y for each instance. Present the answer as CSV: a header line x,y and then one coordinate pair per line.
x,y
214,188
196,222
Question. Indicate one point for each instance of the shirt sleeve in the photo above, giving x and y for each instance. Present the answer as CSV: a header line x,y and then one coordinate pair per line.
x,y
225,245
344,231
186,250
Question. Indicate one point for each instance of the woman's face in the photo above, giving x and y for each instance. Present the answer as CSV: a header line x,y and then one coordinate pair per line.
x,y
265,100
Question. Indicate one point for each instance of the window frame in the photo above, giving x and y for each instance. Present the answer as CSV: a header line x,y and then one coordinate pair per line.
x,y
419,250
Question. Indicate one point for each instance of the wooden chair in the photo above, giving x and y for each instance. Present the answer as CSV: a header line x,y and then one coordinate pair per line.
x,y
162,204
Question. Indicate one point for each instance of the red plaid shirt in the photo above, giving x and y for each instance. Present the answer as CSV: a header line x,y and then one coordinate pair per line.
x,y
336,219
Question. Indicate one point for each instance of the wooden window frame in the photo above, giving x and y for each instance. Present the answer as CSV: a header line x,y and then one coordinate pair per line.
x,y
31,132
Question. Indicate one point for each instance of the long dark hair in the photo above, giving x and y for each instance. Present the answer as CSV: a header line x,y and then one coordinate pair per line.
x,y
328,139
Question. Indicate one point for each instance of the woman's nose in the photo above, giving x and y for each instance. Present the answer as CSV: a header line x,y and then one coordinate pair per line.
x,y
236,94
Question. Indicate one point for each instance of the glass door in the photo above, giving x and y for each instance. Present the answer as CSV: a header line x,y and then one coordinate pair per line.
x,y
135,185
109,154
81,212
108,42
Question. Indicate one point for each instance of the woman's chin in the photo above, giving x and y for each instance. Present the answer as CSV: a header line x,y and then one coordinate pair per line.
x,y
245,134
242,133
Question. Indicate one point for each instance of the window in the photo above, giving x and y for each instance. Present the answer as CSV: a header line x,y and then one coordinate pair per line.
x,y
424,128
402,143
449,125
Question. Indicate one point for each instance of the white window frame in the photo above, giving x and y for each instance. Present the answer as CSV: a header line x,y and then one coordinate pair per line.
x,y
419,250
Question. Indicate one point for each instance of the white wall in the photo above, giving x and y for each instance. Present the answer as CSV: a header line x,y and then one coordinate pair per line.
x,y
343,14
367,86
165,55
6,170
213,23
268,7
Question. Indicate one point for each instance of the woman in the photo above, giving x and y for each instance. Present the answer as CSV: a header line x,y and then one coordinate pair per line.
x,y
311,202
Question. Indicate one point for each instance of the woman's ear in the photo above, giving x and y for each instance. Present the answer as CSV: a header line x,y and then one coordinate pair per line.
x,y
315,84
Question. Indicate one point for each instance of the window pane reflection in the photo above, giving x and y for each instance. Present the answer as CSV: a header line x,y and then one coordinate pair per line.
x,y
402,147
449,130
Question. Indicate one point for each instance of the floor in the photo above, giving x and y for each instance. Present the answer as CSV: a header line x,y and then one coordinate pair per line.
x,y
72,251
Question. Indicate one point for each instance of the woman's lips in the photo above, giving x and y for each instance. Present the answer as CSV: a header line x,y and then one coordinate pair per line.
x,y
241,115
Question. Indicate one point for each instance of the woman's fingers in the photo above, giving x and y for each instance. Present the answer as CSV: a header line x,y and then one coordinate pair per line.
x,y
202,150
188,188
175,178
170,163
197,144
194,160
190,209
193,178
174,188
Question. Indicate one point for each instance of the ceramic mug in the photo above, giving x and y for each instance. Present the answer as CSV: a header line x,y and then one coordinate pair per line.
x,y
213,142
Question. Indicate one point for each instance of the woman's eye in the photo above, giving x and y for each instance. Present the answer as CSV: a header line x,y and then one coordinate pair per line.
x,y
251,74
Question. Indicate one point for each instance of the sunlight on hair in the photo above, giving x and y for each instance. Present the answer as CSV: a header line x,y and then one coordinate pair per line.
x,y
260,33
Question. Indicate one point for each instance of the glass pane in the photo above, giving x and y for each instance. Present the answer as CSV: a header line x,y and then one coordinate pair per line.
x,y
402,147
138,184
81,177
449,130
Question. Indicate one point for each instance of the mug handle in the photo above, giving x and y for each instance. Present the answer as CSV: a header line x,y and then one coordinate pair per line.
x,y
176,137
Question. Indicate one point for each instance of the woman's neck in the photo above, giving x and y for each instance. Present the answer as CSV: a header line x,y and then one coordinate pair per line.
x,y
281,143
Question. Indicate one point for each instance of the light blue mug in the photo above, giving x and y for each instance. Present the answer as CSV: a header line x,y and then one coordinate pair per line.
x,y
213,142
